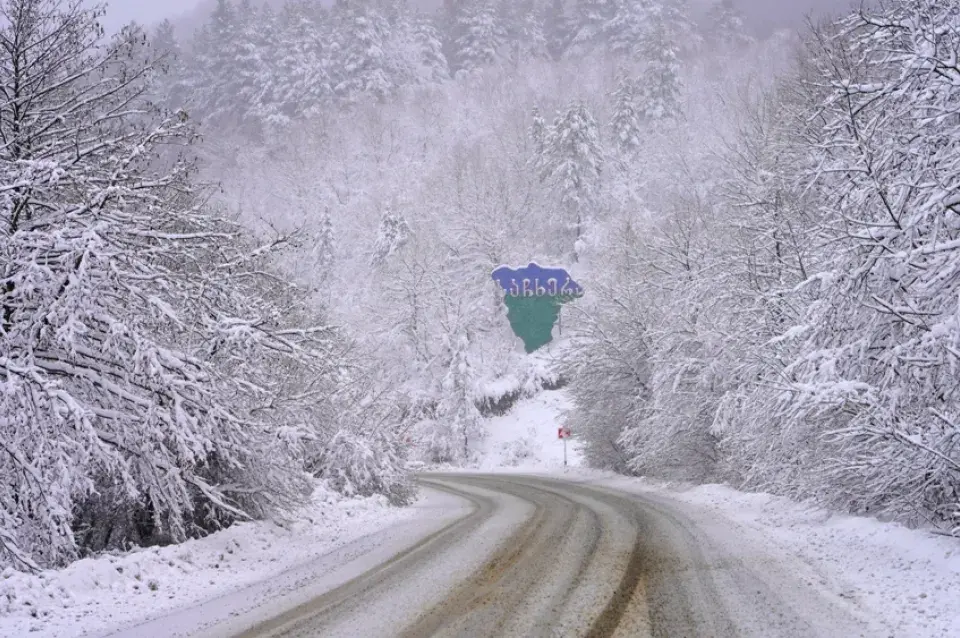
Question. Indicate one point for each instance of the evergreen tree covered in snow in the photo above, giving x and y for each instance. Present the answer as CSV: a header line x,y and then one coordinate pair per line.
x,y
524,34
457,412
483,35
591,23
538,134
433,63
393,234
573,161
660,87
297,74
557,28
628,27
625,122
227,54
363,66
171,90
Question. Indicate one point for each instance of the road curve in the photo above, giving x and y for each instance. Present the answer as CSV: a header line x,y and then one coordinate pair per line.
x,y
545,557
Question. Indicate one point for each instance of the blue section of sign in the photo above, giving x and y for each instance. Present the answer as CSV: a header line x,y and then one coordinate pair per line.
x,y
533,280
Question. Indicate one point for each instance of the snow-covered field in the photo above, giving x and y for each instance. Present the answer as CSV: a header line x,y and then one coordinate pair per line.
x,y
98,596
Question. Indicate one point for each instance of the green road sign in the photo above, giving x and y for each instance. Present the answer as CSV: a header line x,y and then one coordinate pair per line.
x,y
533,296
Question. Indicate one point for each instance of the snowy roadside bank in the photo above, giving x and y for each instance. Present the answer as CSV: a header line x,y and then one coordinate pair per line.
x,y
96,596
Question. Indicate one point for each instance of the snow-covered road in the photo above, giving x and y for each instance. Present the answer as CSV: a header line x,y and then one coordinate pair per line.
x,y
536,556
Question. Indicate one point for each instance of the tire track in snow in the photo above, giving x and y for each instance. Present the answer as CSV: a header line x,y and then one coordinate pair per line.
x,y
557,558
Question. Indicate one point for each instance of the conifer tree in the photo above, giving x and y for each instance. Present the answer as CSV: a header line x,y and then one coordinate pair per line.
x,y
573,161
483,36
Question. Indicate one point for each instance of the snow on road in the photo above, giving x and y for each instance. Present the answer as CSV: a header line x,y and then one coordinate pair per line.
x,y
907,579
910,579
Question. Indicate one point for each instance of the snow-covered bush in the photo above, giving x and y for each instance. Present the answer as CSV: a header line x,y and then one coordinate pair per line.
x,y
513,453
356,464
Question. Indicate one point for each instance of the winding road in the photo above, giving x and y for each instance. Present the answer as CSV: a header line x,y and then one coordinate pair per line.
x,y
535,556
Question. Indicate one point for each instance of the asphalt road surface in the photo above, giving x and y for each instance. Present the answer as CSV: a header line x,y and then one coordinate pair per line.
x,y
543,557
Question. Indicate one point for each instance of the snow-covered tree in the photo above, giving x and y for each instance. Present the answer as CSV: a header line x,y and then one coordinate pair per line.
x,y
296,76
591,22
625,121
363,66
870,399
392,235
724,27
573,161
660,87
628,27
457,413
523,29
156,382
556,28
228,65
482,36
538,134
433,63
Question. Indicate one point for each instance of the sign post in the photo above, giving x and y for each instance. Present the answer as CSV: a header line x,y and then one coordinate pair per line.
x,y
563,434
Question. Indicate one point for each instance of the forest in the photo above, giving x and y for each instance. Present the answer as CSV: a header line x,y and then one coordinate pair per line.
x,y
239,259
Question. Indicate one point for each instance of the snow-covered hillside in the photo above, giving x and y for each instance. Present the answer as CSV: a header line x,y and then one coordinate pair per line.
x,y
526,437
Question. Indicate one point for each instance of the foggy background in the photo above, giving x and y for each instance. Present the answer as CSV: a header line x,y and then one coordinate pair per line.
x,y
763,15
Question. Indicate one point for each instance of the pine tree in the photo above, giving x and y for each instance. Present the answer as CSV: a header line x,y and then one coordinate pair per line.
x,y
628,27
591,23
625,122
227,53
450,25
363,67
458,408
557,28
523,31
296,77
661,86
393,234
538,134
171,90
573,162
433,62
483,36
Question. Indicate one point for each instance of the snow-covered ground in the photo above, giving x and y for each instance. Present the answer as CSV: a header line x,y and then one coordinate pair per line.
x,y
910,579
526,437
907,579
98,596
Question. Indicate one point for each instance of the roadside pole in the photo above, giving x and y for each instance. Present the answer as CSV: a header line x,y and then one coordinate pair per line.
x,y
563,434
